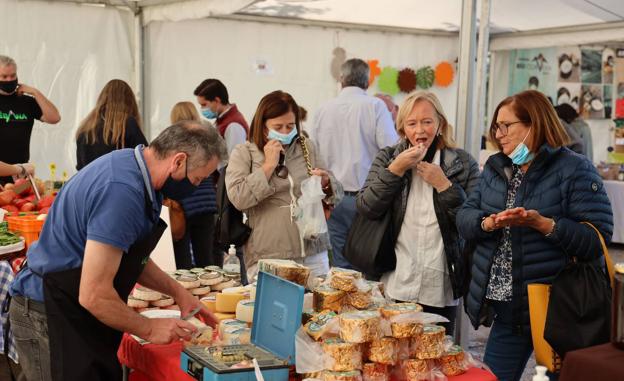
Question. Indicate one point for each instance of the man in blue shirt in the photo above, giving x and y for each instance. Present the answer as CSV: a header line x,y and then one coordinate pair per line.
x,y
70,300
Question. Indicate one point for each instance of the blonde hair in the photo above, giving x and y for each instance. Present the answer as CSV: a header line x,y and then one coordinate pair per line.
x,y
116,103
184,111
445,138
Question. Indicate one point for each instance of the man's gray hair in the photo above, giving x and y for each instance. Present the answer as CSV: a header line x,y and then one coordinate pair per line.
x,y
7,61
200,141
354,72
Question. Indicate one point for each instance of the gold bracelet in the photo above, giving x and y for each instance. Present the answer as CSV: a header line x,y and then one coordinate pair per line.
x,y
552,230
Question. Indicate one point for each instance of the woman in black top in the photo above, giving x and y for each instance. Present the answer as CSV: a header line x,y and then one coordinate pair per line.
x,y
113,124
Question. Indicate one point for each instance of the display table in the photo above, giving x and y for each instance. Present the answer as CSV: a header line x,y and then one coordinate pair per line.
x,y
162,362
602,362
615,191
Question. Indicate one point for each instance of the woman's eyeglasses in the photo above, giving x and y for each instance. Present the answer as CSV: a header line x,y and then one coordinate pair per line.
x,y
503,127
281,170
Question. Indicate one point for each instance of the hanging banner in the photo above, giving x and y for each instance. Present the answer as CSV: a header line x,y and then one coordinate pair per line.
x,y
534,69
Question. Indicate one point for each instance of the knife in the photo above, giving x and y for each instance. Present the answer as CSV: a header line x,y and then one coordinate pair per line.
x,y
192,313
34,188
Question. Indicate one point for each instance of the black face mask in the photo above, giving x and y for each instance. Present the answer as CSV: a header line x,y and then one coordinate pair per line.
x,y
431,150
8,87
178,189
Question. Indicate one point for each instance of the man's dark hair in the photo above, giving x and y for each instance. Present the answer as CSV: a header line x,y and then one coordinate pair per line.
x,y
211,89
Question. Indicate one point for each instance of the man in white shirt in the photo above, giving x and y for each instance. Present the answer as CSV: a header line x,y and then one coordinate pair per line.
x,y
212,96
349,131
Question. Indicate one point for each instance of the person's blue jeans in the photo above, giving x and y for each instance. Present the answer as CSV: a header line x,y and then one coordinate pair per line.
x,y
507,353
338,225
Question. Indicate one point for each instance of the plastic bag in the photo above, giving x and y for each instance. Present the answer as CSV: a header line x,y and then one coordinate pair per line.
x,y
309,354
310,217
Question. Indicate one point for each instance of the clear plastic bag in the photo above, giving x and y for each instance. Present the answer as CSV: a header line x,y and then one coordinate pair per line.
x,y
309,216
309,354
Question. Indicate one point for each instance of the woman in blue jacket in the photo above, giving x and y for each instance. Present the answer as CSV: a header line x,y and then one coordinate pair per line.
x,y
525,218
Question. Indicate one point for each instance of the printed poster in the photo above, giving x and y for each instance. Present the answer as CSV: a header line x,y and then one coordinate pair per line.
x,y
534,69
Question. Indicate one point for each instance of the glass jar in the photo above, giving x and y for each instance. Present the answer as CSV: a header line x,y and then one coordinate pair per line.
x,y
617,309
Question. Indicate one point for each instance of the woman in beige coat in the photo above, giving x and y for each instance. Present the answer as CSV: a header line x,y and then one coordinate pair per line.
x,y
263,180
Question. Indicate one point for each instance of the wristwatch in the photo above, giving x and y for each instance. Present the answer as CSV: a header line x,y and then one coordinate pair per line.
x,y
483,225
552,230
23,172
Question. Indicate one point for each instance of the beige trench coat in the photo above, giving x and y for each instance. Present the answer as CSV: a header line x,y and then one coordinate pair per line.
x,y
267,202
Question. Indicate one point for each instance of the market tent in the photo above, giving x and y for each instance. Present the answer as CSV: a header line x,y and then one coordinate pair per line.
x,y
164,48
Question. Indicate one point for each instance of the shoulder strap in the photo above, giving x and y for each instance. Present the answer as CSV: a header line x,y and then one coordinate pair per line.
x,y
306,153
605,251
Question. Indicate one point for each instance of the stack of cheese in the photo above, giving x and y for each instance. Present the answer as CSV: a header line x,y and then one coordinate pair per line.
x,y
345,290
234,307
376,343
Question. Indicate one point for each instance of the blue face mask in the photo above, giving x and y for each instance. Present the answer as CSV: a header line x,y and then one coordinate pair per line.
x,y
208,113
284,139
521,154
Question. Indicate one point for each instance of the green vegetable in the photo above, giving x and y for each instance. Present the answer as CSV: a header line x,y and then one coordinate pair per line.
x,y
7,238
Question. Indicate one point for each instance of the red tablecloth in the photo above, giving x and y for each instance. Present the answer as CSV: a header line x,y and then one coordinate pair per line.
x,y
162,363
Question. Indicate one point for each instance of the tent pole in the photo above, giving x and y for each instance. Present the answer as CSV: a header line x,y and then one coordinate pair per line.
x,y
464,129
139,70
481,80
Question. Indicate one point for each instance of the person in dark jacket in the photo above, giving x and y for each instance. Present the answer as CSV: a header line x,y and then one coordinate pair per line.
x,y
422,181
526,220
199,212
113,124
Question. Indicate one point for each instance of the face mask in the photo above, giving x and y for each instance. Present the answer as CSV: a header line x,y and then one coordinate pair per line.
x,y
8,87
208,113
284,139
521,154
178,189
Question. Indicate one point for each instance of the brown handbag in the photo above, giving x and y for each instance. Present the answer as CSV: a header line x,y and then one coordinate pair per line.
x,y
176,219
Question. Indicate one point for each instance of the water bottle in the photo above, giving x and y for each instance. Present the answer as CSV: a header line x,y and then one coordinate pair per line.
x,y
541,373
231,263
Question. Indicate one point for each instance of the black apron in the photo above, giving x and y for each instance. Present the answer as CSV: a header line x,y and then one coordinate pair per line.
x,y
82,347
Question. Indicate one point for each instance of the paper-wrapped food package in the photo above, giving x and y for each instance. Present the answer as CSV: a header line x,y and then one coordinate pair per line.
x,y
452,362
286,269
375,372
416,370
430,343
317,326
344,279
403,318
341,356
353,375
362,297
360,326
384,351
327,298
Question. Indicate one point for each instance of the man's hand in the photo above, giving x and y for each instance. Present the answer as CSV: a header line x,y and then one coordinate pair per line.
x,y
164,331
187,303
25,89
49,113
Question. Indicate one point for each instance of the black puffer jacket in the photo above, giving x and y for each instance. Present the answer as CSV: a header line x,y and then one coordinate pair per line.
x,y
385,191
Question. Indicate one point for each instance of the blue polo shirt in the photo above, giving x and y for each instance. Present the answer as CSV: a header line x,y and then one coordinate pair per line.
x,y
103,202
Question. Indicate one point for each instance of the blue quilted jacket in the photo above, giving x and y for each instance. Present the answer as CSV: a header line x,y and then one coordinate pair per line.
x,y
202,201
559,184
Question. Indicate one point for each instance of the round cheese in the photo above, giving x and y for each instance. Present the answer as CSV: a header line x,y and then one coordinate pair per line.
x,y
252,292
198,270
237,336
210,302
174,307
163,302
229,323
188,281
144,293
222,316
245,310
227,302
136,303
210,279
200,290
223,285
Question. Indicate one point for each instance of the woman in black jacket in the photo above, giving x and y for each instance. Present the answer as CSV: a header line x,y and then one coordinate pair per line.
x,y
113,124
422,181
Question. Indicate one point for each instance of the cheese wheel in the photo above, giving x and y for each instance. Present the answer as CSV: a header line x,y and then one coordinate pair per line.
x,y
213,268
163,302
245,310
136,303
210,302
188,282
237,290
223,285
237,336
174,307
139,310
227,302
210,279
144,293
228,323
200,290
221,316
198,270
252,292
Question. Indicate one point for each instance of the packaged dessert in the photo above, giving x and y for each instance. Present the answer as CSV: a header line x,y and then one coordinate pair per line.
x,y
361,298
415,369
452,362
341,356
384,351
430,343
318,325
327,298
394,309
353,375
344,279
375,372
286,269
360,326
